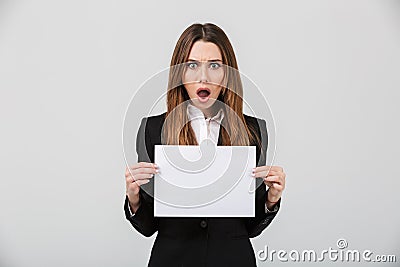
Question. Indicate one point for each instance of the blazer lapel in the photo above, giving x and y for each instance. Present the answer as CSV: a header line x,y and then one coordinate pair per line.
x,y
219,143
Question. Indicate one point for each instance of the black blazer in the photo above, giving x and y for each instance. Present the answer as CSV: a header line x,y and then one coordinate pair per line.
x,y
192,242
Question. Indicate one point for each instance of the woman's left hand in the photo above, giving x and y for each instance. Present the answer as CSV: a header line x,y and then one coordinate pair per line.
x,y
274,178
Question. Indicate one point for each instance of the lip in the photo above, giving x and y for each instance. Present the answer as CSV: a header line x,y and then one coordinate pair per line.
x,y
203,99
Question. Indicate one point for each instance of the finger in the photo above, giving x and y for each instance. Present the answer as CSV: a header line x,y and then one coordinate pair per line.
x,y
143,165
129,179
135,186
262,174
269,184
141,170
276,168
274,172
266,169
275,179
260,168
265,173
277,187
143,176
141,182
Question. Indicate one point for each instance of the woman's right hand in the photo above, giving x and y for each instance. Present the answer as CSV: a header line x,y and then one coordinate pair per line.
x,y
139,174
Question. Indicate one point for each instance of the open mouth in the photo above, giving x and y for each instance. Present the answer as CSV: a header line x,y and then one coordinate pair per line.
x,y
203,92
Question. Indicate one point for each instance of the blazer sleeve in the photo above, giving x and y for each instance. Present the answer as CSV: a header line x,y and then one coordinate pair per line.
x,y
143,220
257,224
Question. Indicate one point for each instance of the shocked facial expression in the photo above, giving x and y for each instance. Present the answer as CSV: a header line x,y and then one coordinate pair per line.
x,y
203,74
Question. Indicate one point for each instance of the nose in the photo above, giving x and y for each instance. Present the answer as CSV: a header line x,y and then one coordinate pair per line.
x,y
204,73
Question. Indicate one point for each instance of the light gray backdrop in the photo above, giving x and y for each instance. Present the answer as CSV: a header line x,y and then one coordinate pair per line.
x,y
329,69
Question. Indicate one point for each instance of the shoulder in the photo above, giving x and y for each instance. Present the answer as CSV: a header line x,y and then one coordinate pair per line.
x,y
157,117
249,118
154,120
150,129
255,122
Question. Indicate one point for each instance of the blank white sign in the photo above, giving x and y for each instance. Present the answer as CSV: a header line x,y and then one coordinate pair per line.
x,y
204,181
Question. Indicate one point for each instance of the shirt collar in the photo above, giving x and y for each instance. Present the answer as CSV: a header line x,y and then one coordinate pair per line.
x,y
195,113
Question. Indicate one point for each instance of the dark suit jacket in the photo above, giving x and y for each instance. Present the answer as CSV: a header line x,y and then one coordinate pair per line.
x,y
197,241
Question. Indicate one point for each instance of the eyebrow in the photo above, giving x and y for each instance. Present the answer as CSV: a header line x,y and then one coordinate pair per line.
x,y
190,59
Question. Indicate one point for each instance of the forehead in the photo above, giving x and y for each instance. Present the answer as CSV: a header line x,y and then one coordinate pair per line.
x,y
203,51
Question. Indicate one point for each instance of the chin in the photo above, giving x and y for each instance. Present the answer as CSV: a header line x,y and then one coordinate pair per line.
x,y
203,105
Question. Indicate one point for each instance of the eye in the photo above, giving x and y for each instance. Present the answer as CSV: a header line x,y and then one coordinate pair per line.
x,y
191,65
214,65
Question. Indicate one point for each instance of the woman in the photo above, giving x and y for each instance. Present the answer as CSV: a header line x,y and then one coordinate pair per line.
x,y
202,241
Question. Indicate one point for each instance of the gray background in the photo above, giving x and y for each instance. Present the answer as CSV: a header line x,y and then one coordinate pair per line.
x,y
329,69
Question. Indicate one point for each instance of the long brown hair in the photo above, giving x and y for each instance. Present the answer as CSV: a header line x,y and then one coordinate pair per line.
x,y
236,130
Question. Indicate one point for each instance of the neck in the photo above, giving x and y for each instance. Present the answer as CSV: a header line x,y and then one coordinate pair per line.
x,y
211,111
